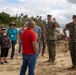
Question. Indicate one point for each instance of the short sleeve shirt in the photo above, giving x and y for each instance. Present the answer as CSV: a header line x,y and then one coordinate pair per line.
x,y
12,34
37,30
72,30
50,31
28,36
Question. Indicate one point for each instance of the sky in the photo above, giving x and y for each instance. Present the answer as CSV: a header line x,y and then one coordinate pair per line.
x,y
62,10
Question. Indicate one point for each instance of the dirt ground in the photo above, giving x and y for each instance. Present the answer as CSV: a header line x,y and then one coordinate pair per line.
x,y
63,61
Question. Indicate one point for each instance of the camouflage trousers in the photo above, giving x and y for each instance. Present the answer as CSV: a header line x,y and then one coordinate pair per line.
x,y
44,45
51,44
72,47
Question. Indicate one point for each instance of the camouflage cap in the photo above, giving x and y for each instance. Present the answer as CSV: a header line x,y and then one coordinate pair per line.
x,y
48,16
74,16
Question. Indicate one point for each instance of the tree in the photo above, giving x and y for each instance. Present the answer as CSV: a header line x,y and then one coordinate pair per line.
x,y
4,18
37,16
40,18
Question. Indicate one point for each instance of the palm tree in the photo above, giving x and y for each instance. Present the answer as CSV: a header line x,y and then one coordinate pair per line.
x,y
37,16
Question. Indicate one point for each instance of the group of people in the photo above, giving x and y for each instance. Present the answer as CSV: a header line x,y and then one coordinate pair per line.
x,y
30,40
8,39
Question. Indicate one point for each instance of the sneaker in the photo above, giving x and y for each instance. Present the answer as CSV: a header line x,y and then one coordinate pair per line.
x,y
42,55
5,62
1,62
70,68
19,54
74,67
11,58
47,61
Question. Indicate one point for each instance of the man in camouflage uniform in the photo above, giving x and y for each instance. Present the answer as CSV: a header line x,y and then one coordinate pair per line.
x,y
72,40
51,37
43,38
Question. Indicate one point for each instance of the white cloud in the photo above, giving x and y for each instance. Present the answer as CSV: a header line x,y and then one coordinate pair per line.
x,y
61,9
2,0
23,0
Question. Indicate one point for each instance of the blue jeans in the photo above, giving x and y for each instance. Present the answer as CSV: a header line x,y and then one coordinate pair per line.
x,y
13,48
30,62
20,45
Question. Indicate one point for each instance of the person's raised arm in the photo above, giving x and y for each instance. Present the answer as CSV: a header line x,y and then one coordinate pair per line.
x,y
56,23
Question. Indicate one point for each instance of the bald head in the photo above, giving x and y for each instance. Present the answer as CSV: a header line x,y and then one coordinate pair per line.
x,y
31,24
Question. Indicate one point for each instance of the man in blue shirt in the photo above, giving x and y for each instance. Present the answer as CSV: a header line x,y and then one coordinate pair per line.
x,y
13,34
38,31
